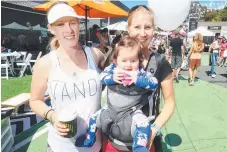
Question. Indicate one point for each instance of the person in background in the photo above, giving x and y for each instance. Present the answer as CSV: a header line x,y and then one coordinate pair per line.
x,y
214,49
225,53
141,27
22,41
195,56
222,56
106,40
177,47
116,38
70,73
96,37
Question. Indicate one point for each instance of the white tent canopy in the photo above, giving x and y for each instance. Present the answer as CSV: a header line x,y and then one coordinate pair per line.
x,y
163,33
15,25
38,27
204,31
121,26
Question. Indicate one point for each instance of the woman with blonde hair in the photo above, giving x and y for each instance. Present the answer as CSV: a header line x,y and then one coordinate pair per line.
x,y
195,56
70,73
141,27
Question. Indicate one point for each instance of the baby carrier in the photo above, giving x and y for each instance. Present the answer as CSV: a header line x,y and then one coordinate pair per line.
x,y
122,101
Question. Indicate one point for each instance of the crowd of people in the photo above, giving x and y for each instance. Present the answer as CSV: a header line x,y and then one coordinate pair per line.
x,y
74,75
25,41
183,55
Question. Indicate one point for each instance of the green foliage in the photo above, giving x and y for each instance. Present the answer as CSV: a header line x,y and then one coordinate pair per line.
x,y
223,14
15,86
210,15
216,16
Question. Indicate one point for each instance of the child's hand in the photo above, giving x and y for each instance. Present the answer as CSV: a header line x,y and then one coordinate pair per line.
x,y
118,75
132,76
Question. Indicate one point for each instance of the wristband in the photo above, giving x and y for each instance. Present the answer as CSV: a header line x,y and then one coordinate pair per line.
x,y
156,127
45,117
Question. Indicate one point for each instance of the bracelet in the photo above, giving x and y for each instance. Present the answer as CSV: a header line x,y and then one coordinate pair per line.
x,y
156,127
45,117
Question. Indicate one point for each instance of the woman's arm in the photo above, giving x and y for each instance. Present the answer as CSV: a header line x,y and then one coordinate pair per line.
x,y
169,105
100,38
38,89
202,48
210,48
190,52
99,57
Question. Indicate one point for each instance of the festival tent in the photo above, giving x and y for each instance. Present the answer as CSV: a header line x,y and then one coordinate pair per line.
x,y
204,31
163,33
91,9
15,25
121,26
38,27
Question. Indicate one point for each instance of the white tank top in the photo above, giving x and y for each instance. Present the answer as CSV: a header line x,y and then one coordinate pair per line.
x,y
64,90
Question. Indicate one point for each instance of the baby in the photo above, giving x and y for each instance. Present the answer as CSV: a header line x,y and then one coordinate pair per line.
x,y
126,70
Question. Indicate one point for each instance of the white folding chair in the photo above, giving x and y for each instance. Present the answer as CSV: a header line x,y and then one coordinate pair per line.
x,y
25,64
22,58
38,57
7,66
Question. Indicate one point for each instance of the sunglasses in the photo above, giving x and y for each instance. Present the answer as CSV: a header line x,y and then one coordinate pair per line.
x,y
135,7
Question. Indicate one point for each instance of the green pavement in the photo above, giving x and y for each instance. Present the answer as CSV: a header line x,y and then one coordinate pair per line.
x,y
199,123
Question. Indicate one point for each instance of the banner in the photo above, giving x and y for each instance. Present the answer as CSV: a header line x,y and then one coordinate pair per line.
x,y
193,23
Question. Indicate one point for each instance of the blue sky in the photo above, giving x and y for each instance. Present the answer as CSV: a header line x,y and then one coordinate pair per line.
x,y
215,4
131,3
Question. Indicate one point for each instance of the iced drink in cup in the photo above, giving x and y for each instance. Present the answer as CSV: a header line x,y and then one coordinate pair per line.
x,y
68,117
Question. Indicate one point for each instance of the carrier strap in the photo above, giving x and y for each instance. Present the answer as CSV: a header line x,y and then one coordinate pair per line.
x,y
154,63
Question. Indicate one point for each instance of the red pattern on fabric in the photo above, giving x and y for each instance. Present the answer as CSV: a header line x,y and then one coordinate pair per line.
x,y
107,147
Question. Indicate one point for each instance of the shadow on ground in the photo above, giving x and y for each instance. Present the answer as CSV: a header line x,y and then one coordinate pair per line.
x,y
224,75
173,139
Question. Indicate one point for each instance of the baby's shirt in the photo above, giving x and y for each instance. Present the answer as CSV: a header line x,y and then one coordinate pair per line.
x,y
144,79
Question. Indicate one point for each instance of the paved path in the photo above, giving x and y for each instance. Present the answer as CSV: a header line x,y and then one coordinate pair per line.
x,y
199,123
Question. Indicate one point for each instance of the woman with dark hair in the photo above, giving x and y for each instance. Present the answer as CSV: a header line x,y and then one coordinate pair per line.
x,y
106,40
96,37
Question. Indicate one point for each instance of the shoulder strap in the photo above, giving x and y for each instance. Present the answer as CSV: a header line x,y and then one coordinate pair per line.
x,y
54,58
153,64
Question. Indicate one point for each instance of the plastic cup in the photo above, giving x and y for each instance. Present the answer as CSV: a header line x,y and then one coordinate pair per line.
x,y
68,117
72,126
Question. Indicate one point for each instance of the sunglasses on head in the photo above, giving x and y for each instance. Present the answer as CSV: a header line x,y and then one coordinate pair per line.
x,y
137,6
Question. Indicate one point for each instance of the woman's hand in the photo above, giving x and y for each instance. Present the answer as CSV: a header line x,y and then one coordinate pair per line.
x,y
152,136
61,128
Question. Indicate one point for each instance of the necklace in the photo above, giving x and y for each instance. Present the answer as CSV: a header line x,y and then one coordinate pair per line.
x,y
74,74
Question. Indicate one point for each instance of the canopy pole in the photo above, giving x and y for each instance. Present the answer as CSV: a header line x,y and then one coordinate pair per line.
x,y
86,34
108,23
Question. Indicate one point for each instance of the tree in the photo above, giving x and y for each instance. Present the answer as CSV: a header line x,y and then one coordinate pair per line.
x,y
222,14
210,15
215,15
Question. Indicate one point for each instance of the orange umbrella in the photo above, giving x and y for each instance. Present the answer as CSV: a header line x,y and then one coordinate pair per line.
x,y
89,8
94,9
